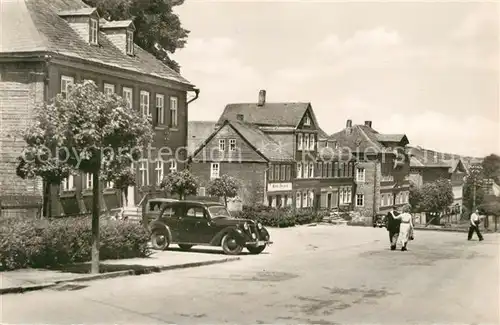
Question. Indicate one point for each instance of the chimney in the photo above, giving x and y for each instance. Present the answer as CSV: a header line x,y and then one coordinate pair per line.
x,y
239,117
348,124
262,98
368,124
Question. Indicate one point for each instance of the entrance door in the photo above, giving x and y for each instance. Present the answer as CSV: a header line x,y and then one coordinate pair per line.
x,y
329,201
130,196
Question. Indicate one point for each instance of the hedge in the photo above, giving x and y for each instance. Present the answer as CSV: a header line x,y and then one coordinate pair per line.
x,y
45,244
280,217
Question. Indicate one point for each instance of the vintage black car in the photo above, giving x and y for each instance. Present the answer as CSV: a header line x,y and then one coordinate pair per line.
x,y
190,223
379,221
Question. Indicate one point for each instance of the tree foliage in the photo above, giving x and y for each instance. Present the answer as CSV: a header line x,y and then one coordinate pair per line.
x,y
433,197
415,197
474,179
86,131
225,186
490,206
158,28
491,167
181,183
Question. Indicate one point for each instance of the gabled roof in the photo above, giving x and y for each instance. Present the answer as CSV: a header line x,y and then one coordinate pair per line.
x,y
118,24
425,158
255,138
77,12
35,26
199,131
275,114
365,139
322,135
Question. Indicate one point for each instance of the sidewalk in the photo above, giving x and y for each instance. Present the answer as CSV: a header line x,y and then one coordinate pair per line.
x,y
35,279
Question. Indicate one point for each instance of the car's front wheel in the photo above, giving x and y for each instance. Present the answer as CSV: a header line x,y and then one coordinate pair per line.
x,y
256,249
230,246
185,247
160,239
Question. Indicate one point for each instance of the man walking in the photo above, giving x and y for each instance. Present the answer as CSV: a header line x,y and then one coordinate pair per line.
x,y
393,228
474,225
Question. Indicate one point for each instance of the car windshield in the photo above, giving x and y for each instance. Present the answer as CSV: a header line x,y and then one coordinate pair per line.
x,y
218,211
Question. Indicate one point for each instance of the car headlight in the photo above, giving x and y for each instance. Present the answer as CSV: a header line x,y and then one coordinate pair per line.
x,y
245,226
259,225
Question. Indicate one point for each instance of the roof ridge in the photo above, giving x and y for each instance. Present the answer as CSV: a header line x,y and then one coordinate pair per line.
x,y
366,136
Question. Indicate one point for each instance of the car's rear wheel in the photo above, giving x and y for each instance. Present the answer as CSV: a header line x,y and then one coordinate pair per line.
x,y
185,247
160,239
256,249
230,246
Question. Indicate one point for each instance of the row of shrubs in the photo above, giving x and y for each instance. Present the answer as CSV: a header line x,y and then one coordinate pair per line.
x,y
280,217
49,243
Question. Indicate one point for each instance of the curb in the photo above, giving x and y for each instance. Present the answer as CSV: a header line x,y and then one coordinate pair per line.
x,y
110,275
443,229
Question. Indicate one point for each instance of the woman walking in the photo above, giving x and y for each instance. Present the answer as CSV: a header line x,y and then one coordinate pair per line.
x,y
406,227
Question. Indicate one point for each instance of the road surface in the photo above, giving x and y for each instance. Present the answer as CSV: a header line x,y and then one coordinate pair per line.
x,y
312,275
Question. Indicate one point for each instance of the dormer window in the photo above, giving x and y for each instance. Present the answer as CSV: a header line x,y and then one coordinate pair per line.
x,y
130,42
94,31
307,121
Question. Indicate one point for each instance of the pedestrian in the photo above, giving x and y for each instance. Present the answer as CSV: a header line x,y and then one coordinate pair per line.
x,y
475,220
393,227
406,227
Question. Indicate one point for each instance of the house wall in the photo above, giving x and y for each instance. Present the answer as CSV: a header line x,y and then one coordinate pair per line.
x,y
369,188
250,174
21,88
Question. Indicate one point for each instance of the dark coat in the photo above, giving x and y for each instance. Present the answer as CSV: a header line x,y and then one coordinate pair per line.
x,y
393,224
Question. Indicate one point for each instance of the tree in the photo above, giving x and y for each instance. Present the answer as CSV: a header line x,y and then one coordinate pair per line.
x,y
158,28
436,196
473,193
225,186
89,132
491,167
181,183
415,197
491,206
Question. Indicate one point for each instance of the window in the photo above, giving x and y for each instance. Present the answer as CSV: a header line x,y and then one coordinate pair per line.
x,y
360,175
341,196
88,181
360,200
66,83
271,173
335,171
288,172
405,197
310,197
109,89
172,165
144,103
195,212
160,108
299,170
283,172
299,142
311,170
298,200
222,144
214,170
307,120
326,144
159,171
312,142
68,183
383,200
306,144
173,112
143,172
329,170
349,195
201,191
94,31
304,199
127,95
130,42
277,172
232,144
324,170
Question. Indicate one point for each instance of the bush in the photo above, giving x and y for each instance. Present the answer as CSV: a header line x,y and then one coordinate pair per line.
x,y
44,243
280,217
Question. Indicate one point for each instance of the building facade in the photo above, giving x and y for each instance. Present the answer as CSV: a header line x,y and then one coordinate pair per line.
x,y
61,43
427,166
381,168
287,173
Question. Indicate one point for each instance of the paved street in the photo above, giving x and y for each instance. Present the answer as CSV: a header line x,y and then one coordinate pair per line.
x,y
321,275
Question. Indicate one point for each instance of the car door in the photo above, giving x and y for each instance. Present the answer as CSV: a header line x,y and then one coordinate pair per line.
x,y
196,225
170,216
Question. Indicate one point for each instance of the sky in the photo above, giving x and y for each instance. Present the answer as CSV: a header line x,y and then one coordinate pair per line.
x,y
427,69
